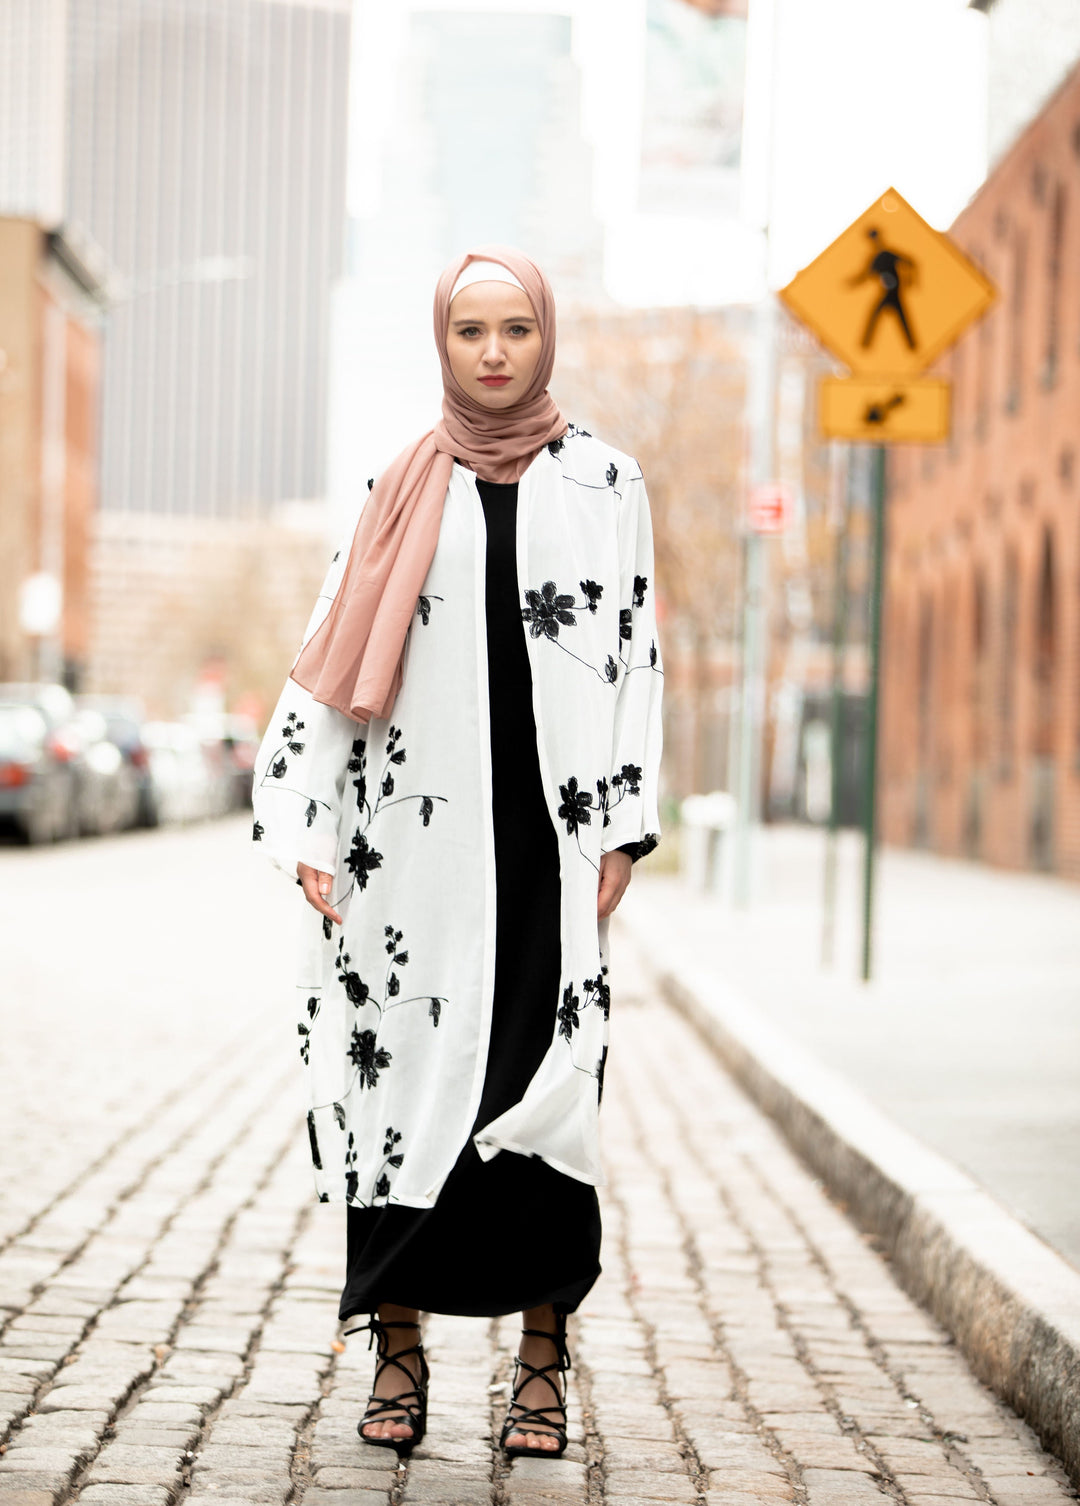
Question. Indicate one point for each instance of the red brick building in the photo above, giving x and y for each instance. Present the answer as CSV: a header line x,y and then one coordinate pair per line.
x,y
981,672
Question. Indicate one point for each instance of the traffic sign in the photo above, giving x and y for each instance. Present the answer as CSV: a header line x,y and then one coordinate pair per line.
x,y
879,411
890,293
768,507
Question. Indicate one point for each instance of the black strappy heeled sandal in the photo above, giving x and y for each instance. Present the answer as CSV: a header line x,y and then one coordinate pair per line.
x,y
523,1419
411,1405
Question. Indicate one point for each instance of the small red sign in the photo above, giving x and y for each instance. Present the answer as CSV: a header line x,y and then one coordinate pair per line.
x,y
769,507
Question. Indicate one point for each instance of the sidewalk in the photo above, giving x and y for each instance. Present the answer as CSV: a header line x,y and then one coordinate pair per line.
x,y
965,1046
969,1033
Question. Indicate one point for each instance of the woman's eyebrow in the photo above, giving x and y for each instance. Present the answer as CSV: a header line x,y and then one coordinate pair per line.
x,y
514,319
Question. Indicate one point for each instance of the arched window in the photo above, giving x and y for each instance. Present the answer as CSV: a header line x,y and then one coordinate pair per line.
x,y
1055,241
1045,645
980,658
1006,697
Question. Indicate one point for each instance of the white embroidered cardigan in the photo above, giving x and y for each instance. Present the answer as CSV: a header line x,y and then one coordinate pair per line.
x,y
396,1002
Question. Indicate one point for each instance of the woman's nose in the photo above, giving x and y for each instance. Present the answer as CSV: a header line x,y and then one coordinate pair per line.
x,y
493,351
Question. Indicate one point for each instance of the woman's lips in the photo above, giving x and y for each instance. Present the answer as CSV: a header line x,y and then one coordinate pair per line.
x,y
495,381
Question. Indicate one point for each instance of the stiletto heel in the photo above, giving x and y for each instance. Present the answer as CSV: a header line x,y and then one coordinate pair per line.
x,y
523,1419
412,1402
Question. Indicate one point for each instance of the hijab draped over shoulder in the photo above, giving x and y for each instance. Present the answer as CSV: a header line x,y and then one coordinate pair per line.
x,y
354,659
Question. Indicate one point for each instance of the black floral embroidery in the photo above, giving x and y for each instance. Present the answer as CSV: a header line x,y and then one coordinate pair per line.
x,y
362,859
612,474
352,1178
367,1056
278,767
600,1067
356,990
569,1020
576,809
257,832
316,1158
392,1158
641,585
628,779
370,482
592,593
435,1011
626,629
649,842
327,928
555,446
597,991
546,610
423,607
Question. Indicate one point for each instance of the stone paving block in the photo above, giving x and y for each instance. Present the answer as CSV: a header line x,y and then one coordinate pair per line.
x,y
956,1486
12,1493
771,1484
126,1495
254,1432
60,1460
842,1487
348,1498
255,1489
651,1484
199,1396
656,1457
164,1413
450,1493
54,1481
338,1477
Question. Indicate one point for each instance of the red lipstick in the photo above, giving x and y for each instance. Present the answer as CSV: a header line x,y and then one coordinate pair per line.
x,y
495,381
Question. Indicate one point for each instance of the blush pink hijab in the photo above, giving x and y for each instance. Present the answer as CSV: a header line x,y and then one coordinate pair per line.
x,y
354,659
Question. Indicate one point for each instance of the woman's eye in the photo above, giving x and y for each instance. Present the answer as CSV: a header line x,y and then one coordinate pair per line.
x,y
469,330
518,329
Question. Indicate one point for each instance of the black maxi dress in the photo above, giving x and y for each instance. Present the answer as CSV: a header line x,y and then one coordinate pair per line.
x,y
510,1233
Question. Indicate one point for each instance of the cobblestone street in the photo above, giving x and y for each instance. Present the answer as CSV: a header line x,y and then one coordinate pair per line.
x,y
168,1285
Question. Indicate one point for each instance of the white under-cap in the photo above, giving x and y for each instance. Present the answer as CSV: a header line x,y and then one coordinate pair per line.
x,y
484,271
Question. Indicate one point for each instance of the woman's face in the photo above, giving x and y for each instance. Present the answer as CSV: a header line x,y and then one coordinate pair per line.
x,y
493,342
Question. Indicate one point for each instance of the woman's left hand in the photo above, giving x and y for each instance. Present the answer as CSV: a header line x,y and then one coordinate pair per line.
x,y
615,869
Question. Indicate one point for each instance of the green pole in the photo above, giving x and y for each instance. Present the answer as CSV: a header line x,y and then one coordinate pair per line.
x,y
836,717
877,504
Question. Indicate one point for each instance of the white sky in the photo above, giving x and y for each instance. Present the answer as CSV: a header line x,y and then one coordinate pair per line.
x,y
864,94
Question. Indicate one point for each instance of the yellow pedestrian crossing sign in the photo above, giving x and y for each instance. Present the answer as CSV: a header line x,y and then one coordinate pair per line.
x,y
890,293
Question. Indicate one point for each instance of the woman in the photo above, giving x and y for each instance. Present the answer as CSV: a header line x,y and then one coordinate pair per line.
x,y
460,771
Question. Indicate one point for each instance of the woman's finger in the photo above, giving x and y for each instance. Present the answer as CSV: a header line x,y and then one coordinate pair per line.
x,y
317,886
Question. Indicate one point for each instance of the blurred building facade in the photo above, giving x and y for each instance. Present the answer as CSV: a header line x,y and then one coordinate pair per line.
x,y
50,377
982,627
205,155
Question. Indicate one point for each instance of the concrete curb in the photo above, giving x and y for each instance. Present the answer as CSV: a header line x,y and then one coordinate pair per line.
x,y
1011,1302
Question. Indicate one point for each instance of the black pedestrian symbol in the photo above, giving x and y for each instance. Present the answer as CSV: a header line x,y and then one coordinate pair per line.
x,y
885,266
878,413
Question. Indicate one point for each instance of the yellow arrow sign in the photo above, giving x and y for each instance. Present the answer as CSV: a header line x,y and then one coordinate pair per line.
x,y
890,293
882,411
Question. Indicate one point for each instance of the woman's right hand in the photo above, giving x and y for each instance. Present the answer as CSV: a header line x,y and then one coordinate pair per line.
x,y
316,886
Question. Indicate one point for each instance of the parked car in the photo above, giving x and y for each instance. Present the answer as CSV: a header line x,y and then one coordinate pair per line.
x,y
108,787
37,784
186,787
231,743
124,725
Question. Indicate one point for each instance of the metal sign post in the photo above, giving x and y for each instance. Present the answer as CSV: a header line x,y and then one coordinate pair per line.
x,y
877,505
887,297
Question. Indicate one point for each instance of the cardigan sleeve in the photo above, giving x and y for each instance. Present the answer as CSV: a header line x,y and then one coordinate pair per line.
x,y
632,821
301,765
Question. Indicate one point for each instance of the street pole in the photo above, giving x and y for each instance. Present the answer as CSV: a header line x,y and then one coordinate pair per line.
x,y
836,714
877,506
762,407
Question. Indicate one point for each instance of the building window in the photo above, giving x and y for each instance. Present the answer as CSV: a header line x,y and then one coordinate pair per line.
x,y
1045,636
1053,287
1006,697
980,739
1016,325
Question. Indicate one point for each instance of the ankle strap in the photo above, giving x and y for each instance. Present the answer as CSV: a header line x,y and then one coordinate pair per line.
x,y
558,1338
377,1328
